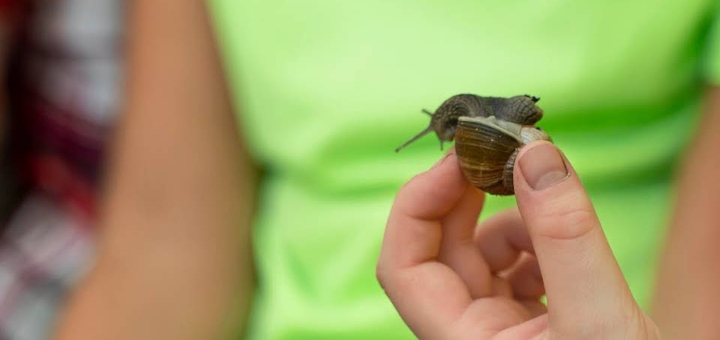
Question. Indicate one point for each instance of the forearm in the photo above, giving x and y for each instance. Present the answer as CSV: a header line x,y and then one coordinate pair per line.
x,y
175,252
687,300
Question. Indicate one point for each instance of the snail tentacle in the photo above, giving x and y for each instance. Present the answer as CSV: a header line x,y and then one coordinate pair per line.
x,y
416,137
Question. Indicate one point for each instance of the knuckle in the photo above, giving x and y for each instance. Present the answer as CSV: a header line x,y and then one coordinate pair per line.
x,y
578,222
566,222
381,275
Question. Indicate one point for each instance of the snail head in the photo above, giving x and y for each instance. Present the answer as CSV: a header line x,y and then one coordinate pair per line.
x,y
442,122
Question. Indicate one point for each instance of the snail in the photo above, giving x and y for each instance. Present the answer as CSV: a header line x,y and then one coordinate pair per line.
x,y
488,132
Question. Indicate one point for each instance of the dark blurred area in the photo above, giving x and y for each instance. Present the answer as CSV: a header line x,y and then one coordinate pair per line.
x,y
63,80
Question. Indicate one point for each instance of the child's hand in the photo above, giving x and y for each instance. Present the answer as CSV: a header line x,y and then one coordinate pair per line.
x,y
451,279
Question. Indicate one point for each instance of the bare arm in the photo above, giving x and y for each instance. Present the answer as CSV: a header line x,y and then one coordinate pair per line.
x,y
174,261
687,301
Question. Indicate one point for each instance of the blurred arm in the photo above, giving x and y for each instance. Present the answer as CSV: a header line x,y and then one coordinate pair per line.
x,y
174,260
687,300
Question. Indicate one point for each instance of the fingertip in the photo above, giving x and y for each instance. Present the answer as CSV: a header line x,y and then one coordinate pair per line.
x,y
532,145
450,153
431,194
541,165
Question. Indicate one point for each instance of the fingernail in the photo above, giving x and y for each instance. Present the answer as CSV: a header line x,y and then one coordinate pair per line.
x,y
543,166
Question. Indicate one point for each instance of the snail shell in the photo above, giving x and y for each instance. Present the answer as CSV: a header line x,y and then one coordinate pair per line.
x,y
488,134
486,148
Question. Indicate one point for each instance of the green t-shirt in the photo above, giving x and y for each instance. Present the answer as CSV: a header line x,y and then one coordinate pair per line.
x,y
326,90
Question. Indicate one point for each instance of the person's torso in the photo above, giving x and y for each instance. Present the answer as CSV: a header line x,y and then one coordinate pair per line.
x,y
327,90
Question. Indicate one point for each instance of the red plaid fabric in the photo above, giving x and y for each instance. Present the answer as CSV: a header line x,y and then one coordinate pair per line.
x,y
44,252
64,97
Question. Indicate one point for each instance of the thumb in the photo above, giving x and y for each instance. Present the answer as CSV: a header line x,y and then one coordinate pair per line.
x,y
583,282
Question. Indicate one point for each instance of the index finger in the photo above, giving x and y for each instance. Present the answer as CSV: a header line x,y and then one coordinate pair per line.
x,y
414,225
428,294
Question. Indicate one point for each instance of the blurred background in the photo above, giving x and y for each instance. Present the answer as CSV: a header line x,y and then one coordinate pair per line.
x,y
325,91
62,71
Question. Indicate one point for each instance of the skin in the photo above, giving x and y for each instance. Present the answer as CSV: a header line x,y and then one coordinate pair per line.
x,y
687,298
451,279
174,256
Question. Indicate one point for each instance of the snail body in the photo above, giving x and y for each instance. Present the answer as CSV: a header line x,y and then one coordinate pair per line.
x,y
488,133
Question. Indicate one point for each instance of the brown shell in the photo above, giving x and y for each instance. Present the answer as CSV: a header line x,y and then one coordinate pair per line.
x,y
487,156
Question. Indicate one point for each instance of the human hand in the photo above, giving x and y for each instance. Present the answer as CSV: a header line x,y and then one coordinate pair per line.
x,y
450,278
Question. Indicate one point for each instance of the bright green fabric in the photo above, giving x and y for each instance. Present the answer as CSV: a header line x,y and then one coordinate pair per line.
x,y
326,90
711,62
